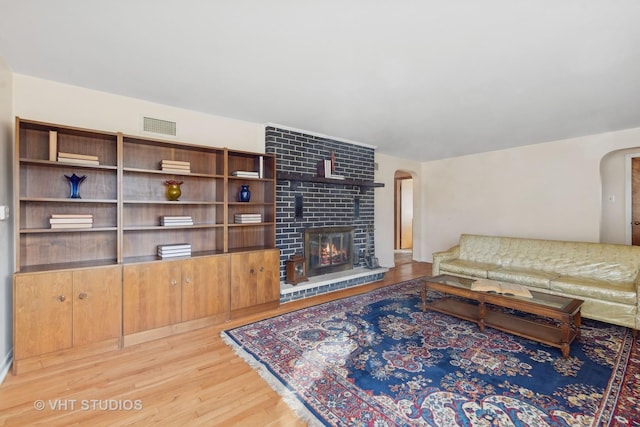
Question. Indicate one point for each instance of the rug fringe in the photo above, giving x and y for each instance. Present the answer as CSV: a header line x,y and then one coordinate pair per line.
x,y
287,395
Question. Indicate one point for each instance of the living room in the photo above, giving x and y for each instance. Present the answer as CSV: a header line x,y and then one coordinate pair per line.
x,y
568,188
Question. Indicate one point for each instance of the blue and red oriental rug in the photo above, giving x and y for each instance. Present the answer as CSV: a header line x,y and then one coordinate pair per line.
x,y
377,360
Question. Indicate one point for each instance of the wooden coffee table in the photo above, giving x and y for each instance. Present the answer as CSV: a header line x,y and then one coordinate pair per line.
x,y
478,308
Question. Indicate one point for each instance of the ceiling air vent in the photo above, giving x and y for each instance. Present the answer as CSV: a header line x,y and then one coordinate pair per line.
x,y
164,127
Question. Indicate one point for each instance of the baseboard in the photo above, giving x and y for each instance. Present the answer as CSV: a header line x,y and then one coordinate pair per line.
x,y
5,366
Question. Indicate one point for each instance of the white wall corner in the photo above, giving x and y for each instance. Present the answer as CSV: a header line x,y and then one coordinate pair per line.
x,y
5,366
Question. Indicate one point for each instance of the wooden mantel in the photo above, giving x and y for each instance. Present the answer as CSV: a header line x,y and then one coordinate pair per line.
x,y
298,177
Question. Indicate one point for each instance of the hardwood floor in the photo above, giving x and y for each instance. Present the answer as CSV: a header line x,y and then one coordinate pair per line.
x,y
188,379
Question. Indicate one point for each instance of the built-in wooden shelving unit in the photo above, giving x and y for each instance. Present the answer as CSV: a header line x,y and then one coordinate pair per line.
x,y
99,282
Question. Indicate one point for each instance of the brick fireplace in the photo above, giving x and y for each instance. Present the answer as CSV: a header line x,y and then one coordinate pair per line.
x,y
306,205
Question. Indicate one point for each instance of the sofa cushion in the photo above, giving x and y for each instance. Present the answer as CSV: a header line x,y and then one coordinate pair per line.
x,y
467,268
604,290
526,277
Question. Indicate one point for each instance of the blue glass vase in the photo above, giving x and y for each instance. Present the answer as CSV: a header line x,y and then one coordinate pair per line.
x,y
244,195
74,181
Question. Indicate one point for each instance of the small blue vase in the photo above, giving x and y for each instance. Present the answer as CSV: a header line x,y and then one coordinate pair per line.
x,y
75,181
244,195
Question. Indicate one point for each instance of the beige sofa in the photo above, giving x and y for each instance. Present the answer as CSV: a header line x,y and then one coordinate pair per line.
x,y
605,276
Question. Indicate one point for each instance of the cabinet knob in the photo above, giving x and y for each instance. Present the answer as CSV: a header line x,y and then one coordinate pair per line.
x,y
174,282
61,298
82,295
261,269
187,280
251,271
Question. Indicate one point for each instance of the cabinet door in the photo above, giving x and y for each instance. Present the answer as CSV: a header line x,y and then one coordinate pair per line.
x,y
244,280
151,295
268,286
42,313
97,305
254,278
205,287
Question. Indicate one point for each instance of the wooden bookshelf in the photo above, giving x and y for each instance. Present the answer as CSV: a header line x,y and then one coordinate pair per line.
x,y
124,193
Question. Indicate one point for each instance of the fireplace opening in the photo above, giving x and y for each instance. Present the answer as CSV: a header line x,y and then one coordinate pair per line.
x,y
328,249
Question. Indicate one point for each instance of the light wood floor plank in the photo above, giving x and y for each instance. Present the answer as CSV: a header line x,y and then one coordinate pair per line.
x,y
188,379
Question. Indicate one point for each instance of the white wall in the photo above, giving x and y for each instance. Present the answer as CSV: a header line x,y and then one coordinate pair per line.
x,y
384,207
551,190
6,227
45,100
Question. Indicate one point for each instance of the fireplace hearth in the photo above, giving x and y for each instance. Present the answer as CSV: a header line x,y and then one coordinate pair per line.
x,y
328,249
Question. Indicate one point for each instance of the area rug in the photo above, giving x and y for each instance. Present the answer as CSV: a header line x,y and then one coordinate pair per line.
x,y
377,360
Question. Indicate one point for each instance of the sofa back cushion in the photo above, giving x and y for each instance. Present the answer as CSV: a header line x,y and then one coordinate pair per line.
x,y
619,263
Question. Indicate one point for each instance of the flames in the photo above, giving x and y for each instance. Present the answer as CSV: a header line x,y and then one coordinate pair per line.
x,y
331,254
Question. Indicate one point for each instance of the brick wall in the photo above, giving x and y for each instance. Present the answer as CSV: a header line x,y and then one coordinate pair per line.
x,y
324,205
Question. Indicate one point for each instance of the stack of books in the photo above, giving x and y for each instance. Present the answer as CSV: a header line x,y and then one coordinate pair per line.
x,y
175,166
169,220
71,221
82,159
177,250
247,218
325,170
246,174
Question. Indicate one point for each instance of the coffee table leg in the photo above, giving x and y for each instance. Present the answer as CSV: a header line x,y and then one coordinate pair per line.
x,y
565,350
566,332
577,322
482,310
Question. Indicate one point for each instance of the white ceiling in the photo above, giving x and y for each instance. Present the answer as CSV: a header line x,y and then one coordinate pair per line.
x,y
419,79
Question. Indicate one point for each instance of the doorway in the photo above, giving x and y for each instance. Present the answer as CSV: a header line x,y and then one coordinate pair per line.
x,y
403,217
635,201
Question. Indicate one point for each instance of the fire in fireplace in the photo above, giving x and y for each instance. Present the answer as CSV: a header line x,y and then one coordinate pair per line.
x,y
328,249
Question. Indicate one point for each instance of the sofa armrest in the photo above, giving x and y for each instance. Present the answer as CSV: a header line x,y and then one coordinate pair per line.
x,y
447,255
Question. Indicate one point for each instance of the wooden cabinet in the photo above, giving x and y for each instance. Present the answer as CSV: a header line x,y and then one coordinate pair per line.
x,y
62,310
255,280
100,279
161,294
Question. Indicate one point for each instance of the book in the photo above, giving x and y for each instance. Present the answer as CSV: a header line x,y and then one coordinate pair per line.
x,y
72,225
171,252
504,288
53,145
77,156
71,216
78,161
172,166
245,174
324,170
176,246
70,220
172,170
176,163
168,220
